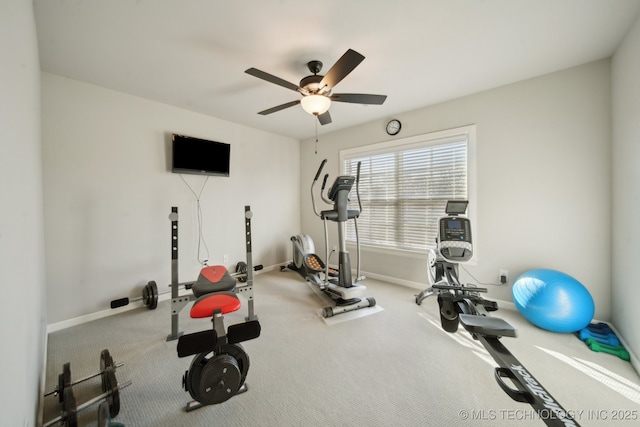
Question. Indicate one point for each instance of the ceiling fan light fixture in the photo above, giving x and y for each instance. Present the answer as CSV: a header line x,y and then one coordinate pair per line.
x,y
315,104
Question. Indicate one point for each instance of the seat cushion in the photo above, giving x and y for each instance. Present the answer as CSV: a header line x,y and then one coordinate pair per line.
x,y
204,306
213,278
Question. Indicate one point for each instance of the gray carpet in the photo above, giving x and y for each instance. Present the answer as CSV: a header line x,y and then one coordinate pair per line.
x,y
393,367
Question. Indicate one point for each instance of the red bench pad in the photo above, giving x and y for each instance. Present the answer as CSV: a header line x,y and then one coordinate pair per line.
x,y
204,306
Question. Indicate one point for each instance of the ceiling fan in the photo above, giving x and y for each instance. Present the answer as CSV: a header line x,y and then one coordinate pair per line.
x,y
316,89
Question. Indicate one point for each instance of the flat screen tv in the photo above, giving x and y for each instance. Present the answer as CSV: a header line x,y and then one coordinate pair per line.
x,y
199,156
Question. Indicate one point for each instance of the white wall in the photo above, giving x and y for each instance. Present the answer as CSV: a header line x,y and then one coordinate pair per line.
x,y
626,190
543,179
22,308
108,193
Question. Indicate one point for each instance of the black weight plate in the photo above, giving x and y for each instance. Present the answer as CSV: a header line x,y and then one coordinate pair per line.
x,y
241,268
70,409
146,297
237,352
153,292
64,381
194,375
220,380
104,417
113,398
106,361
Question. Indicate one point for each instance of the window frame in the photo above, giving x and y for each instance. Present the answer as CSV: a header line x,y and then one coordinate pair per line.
x,y
416,141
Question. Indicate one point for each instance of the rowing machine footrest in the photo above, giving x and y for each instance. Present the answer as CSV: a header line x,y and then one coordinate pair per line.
x,y
226,302
490,305
487,326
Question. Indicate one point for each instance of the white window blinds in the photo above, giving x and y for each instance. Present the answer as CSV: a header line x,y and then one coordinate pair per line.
x,y
404,189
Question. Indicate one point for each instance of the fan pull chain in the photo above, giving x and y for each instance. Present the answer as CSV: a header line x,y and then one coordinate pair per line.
x,y
316,122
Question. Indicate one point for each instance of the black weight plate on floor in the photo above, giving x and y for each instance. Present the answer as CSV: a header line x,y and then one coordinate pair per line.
x,y
64,381
146,297
153,294
106,361
220,380
104,418
113,399
150,295
70,409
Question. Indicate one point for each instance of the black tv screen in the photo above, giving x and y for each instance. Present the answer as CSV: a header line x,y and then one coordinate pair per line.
x,y
200,156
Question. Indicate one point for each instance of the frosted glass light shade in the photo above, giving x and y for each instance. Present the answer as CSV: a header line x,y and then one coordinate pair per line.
x,y
315,104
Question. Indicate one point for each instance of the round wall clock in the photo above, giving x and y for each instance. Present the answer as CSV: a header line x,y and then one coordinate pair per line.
x,y
393,127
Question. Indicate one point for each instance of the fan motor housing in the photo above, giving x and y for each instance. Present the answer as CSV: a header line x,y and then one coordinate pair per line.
x,y
311,83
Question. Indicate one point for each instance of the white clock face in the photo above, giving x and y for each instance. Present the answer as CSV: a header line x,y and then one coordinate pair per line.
x,y
393,127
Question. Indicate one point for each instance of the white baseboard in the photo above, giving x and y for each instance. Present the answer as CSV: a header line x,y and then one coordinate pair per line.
x,y
64,324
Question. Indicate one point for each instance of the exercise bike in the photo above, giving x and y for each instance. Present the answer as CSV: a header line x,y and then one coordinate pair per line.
x,y
339,283
462,304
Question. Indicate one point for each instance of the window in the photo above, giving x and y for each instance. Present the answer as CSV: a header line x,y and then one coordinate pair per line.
x,y
405,184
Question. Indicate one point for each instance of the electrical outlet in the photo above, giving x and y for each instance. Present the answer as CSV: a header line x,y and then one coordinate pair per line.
x,y
504,276
225,258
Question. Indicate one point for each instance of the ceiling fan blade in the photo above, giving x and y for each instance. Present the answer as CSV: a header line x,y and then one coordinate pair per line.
x,y
340,69
272,79
279,107
359,98
324,118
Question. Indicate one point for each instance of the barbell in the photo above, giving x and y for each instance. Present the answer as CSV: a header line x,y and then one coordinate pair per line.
x,y
110,395
150,292
64,379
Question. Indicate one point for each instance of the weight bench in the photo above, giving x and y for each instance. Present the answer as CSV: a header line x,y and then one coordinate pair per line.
x,y
220,366
215,278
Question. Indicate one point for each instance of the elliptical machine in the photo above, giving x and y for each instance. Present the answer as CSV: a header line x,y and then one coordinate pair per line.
x,y
337,284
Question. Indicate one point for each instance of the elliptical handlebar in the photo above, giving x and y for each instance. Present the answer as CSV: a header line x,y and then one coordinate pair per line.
x,y
320,170
324,184
358,187
313,199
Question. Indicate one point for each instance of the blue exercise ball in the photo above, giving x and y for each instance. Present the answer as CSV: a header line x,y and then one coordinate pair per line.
x,y
553,300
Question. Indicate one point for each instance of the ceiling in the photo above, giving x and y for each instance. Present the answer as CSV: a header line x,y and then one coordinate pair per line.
x,y
193,53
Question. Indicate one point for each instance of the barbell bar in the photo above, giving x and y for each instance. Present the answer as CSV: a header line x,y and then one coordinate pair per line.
x,y
150,292
64,379
112,395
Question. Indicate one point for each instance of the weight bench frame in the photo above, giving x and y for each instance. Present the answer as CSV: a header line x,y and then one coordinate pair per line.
x,y
179,302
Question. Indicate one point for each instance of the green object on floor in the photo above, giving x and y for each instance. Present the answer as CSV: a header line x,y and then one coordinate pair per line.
x,y
616,350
